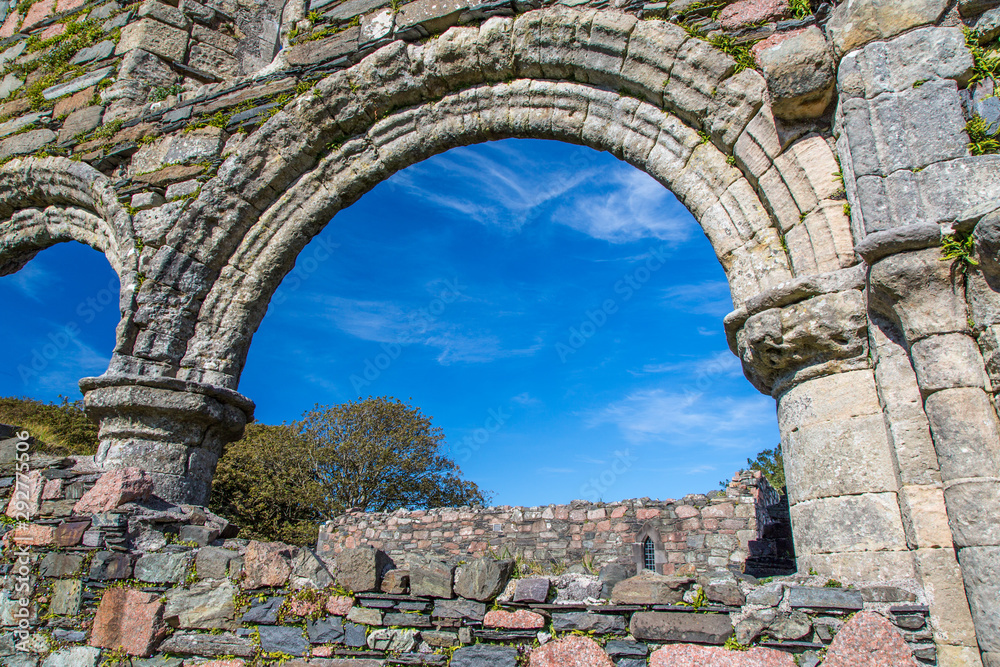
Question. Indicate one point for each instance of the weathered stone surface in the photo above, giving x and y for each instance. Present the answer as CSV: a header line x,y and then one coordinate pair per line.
x,y
748,12
80,122
282,639
431,578
164,14
324,50
573,650
824,598
426,17
156,38
980,569
483,579
115,488
77,84
392,639
264,612
329,630
206,605
128,619
853,24
650,588
98,51
681,627
266,564
60,565
799,72
532,589
108,565
464,609
522,619
868,640
395,582
72,656
601,624
162,568
209,645
28,142
484,655
215,61
66,597
358,570
365,616
687,655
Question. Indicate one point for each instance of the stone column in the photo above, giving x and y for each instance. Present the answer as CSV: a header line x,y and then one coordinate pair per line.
x,y
927,296
812,356
173,429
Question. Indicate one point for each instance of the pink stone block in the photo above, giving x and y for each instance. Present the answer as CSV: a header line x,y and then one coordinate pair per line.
x,y
69,5
691,655
53,30
38,12
746,12
10,24
522,619
648,513
572,650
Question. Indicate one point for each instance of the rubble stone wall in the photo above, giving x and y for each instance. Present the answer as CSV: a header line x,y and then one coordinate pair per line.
x,y
694,535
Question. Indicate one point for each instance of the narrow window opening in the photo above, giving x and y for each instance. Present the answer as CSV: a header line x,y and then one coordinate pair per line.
x,y
648,555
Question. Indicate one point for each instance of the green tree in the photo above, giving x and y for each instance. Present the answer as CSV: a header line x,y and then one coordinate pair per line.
x,y
771,464
377,454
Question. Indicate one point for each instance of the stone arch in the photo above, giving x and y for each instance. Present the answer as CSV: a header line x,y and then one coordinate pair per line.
x,y
52,200
669,104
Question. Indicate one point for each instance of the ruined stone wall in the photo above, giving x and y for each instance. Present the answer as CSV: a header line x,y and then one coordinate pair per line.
x,y
104,573
694,535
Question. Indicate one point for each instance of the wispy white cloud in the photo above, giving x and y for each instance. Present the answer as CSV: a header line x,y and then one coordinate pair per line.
x,y
707,298
497,188
686,418
33,282
722,363
524,398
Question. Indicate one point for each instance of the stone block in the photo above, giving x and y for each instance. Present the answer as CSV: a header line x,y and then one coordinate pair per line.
x,y
571,650
329,630
26,143
66,597
209,645
459,609
806,597
868,634
947,362
281,639
60,565
522,619
685,655
326,49
205,605
431,578
853,24
483,579
128,619
215,61
896,65
650,588
485,655
215,38
973,506
965,433
110,565
266,564
114,488
77,84
365,616
195,146
925,516
427,17
394,640
799,72
681,627
744,13
396,582
601,624
71,656
866,522
98,51
162,568
81,122
264,611
860,566
157,38
164,14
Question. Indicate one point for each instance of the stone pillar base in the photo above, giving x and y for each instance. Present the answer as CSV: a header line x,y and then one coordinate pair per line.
x,y
173,429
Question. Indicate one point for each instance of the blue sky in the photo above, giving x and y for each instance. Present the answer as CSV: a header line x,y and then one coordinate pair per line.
x,y
556,311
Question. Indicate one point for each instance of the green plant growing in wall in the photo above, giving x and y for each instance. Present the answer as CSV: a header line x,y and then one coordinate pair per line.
x,y
733,644
800,8
958,249
981,141
985,59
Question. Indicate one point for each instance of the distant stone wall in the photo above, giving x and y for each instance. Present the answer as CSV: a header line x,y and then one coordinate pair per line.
x,y
693,535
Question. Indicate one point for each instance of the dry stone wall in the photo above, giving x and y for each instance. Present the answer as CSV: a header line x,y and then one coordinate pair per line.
x,y
738,529
831,153
110,574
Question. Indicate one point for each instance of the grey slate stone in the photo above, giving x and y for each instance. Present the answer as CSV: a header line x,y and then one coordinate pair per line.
x,y
281,639
768,595
213,562
98,51
485,655
162,568
407,620
535,589
625,648
59,565
80,121
462,609
208,645
329,630
201,535
825,598
348,10
601,624
108,565
69,636
355,635
264,612
27,142
431,578
9,84
77,84
66,597
76,656
183,113
681,627
104,11
483,578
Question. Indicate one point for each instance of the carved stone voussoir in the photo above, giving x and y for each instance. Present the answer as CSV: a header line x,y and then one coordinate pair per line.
x,y
827,334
